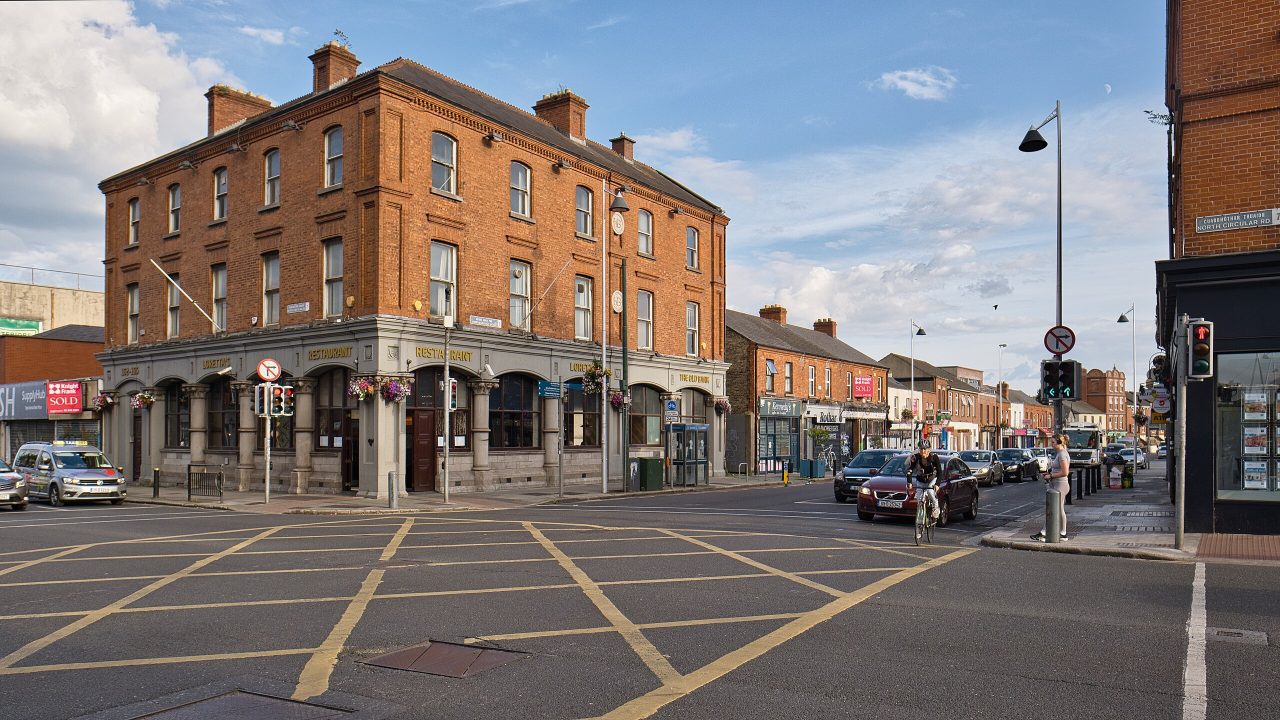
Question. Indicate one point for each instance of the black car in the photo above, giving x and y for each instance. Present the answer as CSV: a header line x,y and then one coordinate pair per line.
x,y
986,466
1019,464
860,467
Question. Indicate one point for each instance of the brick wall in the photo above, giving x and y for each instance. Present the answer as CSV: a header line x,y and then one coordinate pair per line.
x,y
24,359
839,391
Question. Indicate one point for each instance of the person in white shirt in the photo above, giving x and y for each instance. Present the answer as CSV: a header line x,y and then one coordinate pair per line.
x,y
1056,479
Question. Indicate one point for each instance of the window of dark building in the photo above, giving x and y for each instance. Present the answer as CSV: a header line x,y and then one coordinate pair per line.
x,y
514,415
693,406
177,417
333,408
281,427
224,413
581,418
646,416
429,394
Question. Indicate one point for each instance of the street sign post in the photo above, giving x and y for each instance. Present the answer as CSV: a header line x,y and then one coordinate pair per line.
x,y
548,389
1059,340
671,412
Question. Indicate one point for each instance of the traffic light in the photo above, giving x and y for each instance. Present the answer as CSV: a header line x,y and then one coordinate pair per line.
x,y
1070,377
286,404
453,393
260,404
277,401
1049,379
1200,338
1159,371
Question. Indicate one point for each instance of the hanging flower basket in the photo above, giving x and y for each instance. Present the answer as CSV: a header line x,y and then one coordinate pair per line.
x,y
142,400
102,401
617,400
362,387
723,407
396,389
595,378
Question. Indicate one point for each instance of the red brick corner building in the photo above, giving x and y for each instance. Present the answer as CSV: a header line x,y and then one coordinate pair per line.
x,y
1223,96
338,232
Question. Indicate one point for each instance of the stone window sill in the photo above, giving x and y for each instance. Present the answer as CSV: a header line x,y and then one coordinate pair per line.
x,y
269,208
326,190
447,195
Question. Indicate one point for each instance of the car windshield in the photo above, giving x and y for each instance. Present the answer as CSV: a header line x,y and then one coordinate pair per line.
x,y
1039,452
869,459
1010,454
896,466
80,460
1127,452
975,456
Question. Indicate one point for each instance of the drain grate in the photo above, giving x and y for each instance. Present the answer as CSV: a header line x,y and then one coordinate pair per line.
x,y
1244,637
243,705
1142,513
1140,529
446,659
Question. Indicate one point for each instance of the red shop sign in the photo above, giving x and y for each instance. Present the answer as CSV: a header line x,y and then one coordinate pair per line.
x,y
63,398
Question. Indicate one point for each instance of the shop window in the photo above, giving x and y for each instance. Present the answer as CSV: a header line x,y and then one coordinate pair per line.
x,y
515,417
646,416
581,418
281,427
223,416
429,394
1248,427
177,417
693,406
334,409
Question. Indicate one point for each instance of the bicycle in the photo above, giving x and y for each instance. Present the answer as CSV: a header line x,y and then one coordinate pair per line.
x,y
924,517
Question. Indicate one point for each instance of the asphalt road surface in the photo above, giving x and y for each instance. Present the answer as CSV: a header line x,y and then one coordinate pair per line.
x,y
765,602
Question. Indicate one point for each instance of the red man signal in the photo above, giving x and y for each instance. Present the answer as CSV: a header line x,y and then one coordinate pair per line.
x,y
1201,347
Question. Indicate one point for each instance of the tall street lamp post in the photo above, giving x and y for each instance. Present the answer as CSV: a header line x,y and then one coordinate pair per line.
x,y
1133,327
1032,142
915,412
1000,395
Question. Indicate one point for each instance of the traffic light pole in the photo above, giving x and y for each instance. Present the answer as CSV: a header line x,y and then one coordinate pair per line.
x,y
266,452
1180,432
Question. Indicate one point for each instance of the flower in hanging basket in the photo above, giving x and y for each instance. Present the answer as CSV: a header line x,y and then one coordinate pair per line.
x,y
595,378
102,401
396,389
362,387
617,400
723,407
142,400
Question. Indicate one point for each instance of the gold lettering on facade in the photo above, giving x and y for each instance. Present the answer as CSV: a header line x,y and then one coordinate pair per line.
x,y
129,372
695,378
329,353
579,367
218,363
435,353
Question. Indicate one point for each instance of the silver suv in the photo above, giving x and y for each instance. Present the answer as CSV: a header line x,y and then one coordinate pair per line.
x,y
13,487
61,471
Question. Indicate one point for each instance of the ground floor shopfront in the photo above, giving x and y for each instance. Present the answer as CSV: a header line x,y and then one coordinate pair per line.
x,y
788,431
197,408
26,415
1232,447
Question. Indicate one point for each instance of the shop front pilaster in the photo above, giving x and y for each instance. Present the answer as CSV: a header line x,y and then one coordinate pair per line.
x,y
153,421
303,431
248,433
480,390
198,439
550,431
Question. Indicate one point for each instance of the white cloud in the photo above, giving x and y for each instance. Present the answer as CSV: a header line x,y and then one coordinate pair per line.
x,y
926,83
609,22
682,140
266,35
83,89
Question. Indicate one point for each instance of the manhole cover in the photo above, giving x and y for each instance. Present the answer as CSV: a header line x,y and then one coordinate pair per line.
x,y
1245,637
241,705
445,658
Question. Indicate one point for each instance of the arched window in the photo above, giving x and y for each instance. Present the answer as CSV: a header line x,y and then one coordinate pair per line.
x,y
520,179
429,394
271,178
583,201
333,157
644,232
334,409
581,418
281,427
646,416
444,163
177,417
220,194
693,406
224,414
515,420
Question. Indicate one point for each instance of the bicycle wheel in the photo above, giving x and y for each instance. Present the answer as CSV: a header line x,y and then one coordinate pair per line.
x,y
929,524
922,520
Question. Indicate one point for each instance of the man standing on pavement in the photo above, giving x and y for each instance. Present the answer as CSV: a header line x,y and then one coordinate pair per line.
x,y
1056,479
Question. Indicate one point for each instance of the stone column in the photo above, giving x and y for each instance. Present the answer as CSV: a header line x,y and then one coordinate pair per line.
x,y
550,429
153,422
304,417
248,432
109,420
715,439
198,397
480,390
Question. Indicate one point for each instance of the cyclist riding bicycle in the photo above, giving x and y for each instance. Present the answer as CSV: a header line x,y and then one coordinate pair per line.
x,y
924,468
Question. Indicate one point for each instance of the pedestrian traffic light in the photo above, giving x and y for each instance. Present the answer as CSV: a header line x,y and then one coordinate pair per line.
x,y
1049,379
1200,338
259,399
453,393
1069,380
277,401
286,401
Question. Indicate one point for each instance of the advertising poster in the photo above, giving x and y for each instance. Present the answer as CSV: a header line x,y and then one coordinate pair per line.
x,y
1254,406
62,398
1255,439
1255,474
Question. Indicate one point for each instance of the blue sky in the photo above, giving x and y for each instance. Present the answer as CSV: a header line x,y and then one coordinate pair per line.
x,y
865,151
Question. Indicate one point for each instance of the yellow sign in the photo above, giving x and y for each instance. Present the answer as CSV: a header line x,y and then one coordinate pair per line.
x,y
695,378
129,372
216,363
435,353
329,353
579,367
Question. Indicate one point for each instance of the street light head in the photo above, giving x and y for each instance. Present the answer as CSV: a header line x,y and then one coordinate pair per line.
x,y
920,331
1033,141
1123,318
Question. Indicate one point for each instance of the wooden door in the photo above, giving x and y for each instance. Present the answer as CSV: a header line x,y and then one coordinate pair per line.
x,y
350,451
137,445
423,451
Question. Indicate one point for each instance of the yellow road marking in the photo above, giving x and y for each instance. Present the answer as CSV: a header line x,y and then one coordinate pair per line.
x,y
648,704
315,676
759,565
93,617
636,639
49,558
642,626
136,662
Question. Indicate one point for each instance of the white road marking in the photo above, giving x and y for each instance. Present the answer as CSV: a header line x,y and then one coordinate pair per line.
x,y
1195,684
98,522
743,512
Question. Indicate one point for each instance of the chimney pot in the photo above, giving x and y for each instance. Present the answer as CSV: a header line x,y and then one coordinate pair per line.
x,y
565,111
623,145
826,326
331,64
776,313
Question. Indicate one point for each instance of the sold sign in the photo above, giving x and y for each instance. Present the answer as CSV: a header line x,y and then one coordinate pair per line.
x,y
63,398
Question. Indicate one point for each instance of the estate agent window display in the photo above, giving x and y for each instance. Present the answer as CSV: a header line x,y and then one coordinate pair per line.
x,y
1248,427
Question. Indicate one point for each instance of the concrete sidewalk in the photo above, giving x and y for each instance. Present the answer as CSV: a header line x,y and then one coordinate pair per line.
x,y
1134,523
421,502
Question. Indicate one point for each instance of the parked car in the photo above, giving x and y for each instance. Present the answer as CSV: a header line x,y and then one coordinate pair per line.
x,y
1019,464
1162,452
13,487
1127,454
62,471
860,467
985,466
1042,457
890,493
1113,447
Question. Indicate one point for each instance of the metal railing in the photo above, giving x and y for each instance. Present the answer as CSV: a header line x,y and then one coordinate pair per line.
x,y
203,484
27,274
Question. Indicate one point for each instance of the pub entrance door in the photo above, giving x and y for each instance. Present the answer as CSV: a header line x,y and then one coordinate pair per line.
x,y
422,459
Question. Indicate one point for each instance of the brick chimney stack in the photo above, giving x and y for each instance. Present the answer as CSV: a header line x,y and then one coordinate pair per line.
x,y
332,64
776,313
566,112
228,106
623,145
826,326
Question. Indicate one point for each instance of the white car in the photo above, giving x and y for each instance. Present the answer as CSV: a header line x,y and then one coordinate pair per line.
x,y
1042,457
1143,462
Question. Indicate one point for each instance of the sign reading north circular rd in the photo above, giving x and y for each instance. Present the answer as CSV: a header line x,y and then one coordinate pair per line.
x,y
1059,340
268,370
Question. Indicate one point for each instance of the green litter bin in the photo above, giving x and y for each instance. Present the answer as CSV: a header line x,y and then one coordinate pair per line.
x,y
649,473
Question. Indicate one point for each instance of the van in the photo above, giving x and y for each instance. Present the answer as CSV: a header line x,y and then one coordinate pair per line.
x,y
64,471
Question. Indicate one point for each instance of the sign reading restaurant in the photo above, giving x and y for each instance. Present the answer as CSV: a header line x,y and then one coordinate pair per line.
x,y
1237,221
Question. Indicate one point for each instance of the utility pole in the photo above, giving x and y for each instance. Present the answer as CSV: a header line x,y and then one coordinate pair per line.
x,y
1183,360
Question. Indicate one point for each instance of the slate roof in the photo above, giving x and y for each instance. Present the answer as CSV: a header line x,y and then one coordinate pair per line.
x,y
1081,407
901,367
1018,396
794,338
78,333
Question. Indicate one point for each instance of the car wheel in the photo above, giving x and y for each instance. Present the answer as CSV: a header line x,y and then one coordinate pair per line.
x,y
840,498
117,501
20,506
1001,481
972,512
55,495
865,515
944,511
